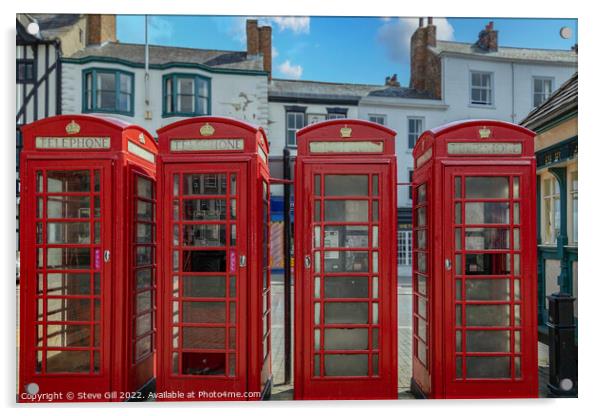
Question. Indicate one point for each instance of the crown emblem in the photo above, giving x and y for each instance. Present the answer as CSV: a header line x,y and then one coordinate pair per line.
x,y
346,131
484,133
141,138
72,128
207,130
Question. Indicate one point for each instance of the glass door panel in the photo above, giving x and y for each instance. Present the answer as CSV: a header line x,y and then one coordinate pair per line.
x,y
69,270
345,275
205,246
487,303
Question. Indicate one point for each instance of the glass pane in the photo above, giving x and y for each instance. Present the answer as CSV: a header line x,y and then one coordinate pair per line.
x,y
487,315
68,181
68,233
203,312
316,365
516,213
204,286
487,367
317,185
317,211
143,324
68,206
68,258
346,312
68,336
422,285
516,188
374,210
486,187
346,339
345,261
487,264
516,290
204,184
62,309
346,236
374,185
487,238
318,236
143,278
204,235
144,233
143,301
487,341
422,193
68,361
487,289
346,364
317,313
317,287
346,287
61,284
144,210
204,209
204,261
203,338
346,211
143,346
421,238
421,214
316,339
487,213
346,185
516,232
144,187
204,363
375,262
144,255
421,262
458,187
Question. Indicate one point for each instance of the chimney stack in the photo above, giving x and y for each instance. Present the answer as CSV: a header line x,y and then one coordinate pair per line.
x,y
424,67
488,39
100,28
259,41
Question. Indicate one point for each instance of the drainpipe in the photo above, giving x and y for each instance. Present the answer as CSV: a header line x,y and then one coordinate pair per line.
x,y
146,72
513,113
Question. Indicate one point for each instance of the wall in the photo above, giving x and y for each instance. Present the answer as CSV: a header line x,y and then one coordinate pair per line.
x,y
239,96
456,87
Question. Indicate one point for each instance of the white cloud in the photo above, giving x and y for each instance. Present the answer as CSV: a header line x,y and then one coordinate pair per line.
x,y
297,24
159,29
289,70
395,35
274,52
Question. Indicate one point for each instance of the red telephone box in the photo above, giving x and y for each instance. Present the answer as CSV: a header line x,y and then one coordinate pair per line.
x,y
346,280
214,286
474,264
87,260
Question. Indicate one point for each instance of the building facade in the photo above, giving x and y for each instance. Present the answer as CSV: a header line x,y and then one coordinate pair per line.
x,y
556,145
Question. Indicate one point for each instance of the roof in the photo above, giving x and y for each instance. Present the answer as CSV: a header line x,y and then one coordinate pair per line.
x,y
293,90
562,101
170,54
506,53
401,92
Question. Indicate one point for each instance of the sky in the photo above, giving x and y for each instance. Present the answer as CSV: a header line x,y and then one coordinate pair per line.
x,y
360,50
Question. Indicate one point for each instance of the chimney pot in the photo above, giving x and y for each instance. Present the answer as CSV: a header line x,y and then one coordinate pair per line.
x,y
421,22
430,21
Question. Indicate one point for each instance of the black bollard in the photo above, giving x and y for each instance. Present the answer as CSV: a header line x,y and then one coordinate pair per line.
x,y
562,349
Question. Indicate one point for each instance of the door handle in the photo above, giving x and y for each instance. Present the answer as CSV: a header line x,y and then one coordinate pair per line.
x,y
242,261
107,256
447,264
307,261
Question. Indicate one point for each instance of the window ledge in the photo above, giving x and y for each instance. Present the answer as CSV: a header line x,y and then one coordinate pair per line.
x,y
485,106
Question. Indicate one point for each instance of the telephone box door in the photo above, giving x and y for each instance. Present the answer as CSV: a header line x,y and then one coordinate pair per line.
x,y
347,336
67,276
206,288
489,281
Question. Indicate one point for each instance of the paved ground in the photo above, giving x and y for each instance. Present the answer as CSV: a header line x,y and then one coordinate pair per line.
x,y
285,392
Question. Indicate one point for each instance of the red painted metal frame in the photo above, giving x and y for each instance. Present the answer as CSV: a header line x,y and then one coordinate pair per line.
x,y
117,372
435,167
253,370
383,386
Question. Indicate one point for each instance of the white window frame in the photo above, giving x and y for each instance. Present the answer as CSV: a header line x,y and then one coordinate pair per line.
x,y
550,209
540,78
471,87
404,247
422,121
293,129
335,116
574,201
372,118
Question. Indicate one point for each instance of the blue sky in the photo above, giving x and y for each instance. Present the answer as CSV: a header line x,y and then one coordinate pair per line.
x,y
338,49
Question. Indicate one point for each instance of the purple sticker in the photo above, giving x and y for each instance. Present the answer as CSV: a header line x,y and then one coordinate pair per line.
x,y
232,260
97,258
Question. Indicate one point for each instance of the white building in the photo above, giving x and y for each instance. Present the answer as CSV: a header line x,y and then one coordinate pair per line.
x,y
116,79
